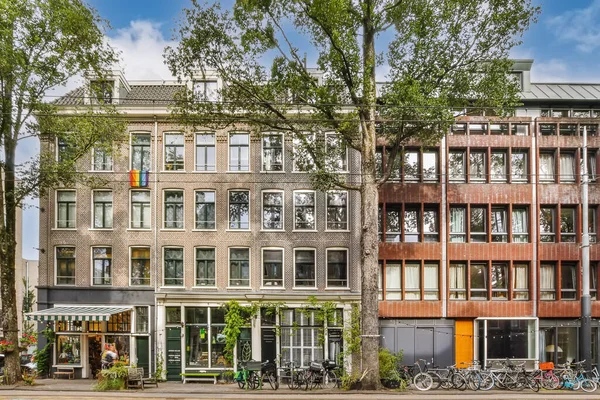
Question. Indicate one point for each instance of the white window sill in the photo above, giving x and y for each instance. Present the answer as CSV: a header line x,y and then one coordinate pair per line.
x,y
65,284
139,229
238,172
179,171
204,230
238,288
272,172
101,229
172,287
341,288
172,230
103,171
273,230
304,230
238,230
205,287
304,288
64,229
337,230
204,172
140,286
282,287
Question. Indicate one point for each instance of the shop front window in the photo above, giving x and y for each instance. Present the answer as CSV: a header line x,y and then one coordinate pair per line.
x,y
121,345
68,349
196,319
507,338
120,322
218,339
300,338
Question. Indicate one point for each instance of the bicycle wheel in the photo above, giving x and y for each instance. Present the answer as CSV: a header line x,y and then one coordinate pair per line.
x,y
316,380
533,383
458,381
293,380
271,377
588,385
437,380
473,381
254,381
423,381
487,381
330,380
550,381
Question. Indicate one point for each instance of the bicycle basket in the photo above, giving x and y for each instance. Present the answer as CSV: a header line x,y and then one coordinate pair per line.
x,y
239,376
547,366
315,366
253,365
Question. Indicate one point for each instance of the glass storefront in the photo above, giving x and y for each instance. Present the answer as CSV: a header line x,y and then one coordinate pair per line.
x,y
559,341
68,349
499,339
205,341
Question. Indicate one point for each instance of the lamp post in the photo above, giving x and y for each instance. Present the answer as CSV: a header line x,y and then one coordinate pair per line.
x,y
585,333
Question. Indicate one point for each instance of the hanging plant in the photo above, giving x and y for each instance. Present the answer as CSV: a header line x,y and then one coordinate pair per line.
x,y
236,318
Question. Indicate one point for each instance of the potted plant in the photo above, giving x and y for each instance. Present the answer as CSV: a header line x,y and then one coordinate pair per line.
x,y
27,340
6,346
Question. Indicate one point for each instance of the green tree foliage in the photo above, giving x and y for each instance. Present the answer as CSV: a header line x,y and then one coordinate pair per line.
x,y
440,55
43,43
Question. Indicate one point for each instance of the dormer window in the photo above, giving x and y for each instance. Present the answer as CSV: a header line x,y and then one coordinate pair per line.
x,y
206,90
102,91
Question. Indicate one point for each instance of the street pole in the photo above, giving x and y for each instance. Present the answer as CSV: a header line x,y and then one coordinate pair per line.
x,y
585,336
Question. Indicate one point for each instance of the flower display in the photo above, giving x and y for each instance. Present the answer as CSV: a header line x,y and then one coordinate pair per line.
x,y
6,346
27,339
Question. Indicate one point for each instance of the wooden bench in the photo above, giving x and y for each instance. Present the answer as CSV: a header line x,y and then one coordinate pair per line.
x,y
135,378
200,376
148,380
64,371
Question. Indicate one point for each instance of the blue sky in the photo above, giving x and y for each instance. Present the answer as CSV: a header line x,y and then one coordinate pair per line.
x,y
563,44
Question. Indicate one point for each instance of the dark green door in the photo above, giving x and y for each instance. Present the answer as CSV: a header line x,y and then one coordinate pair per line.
x,y
143,358
173,354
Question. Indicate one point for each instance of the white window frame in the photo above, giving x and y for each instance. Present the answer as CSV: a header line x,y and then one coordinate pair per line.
x,y
56,210
164,209
462,178
503,177
93,167
57,149
262,152
262,210
229,228
149,260
327,250
195,285
131,144
214,144
314,193
344,160
56,265
111,265
262,271
327,213
210,97
163,250
229,154
215,210
428,291
314,250
164,152
229,286
131,209
295,145
93,227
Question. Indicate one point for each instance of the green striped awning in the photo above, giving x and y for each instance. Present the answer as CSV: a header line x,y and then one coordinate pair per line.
x,y
77,313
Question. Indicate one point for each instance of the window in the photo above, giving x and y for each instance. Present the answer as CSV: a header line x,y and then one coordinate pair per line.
x,y
546,167
479,282
102,91
477,166
239,209
567,224
477,129
393,213
205,209
498,166
430,225
380,281
547,282
300,341
520,225
103,160
65,265
520,281
458,281
412,281
239,267
593,281
499,281
456,166
393,281
102,264
205,266
411,166
206,90
430,166
173,263
140,152
568,130
567,167
272,155
499,129
142,320
205,152
304,210
547,232
173,209
337,210
103,209
592,224
337,157
337,268
581,113
272,215
140,209
499,225
458,228
303,160
548,129
66,206
68,350
140,266
411,225
431,282
272,267
304,265
459,129
478,225
568,281
519,166
520,129
239,152
591,166
62,149
174,151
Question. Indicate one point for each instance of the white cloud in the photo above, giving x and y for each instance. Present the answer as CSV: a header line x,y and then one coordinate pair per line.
x,y
553,70
579,26
141,47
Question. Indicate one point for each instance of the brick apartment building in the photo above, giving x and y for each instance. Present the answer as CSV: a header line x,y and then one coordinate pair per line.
x,y
480,235
188,220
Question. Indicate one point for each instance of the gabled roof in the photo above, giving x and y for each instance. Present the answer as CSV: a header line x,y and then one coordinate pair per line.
x,y
139,95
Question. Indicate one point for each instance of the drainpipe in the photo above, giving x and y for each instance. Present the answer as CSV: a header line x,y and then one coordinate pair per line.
x,y
155,230
585,346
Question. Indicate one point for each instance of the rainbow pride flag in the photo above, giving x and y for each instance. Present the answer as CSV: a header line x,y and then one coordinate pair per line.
x,y
138,178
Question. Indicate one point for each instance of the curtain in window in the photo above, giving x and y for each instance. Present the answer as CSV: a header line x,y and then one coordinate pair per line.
x,y
430,282
546,167
520,282
519,225
393,282
547,285
499,229
412,276
591,167
567,167
457,224
457,280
